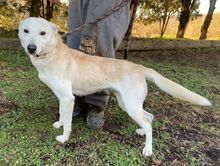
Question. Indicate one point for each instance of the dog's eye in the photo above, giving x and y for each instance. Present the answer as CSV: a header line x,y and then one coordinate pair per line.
x,y
43,33
26,31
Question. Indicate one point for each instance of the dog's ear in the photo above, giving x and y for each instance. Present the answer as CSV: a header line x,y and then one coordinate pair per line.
x,y
55,27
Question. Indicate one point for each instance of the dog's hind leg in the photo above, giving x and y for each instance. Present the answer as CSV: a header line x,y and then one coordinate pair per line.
x,y
149,117
131,100
120,101
137,115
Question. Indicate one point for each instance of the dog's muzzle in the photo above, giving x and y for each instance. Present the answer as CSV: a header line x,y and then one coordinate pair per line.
x,y
31,48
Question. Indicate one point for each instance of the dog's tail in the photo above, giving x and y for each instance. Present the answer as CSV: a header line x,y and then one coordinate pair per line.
x,y
175,89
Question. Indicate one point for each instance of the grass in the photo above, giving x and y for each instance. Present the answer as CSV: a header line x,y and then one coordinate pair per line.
x,y
183,133
8,34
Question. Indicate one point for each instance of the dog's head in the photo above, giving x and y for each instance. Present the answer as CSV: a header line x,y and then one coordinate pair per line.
x,y
37,36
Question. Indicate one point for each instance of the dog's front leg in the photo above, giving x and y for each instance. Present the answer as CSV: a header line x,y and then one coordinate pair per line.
x,y
66,109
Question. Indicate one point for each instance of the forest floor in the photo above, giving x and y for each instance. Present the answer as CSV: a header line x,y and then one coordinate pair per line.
x,y
183,134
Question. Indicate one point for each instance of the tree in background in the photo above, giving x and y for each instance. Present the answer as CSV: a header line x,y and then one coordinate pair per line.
x,y
56,13
208,19
60,13
188,8
152,11
34,8
11,11
41,8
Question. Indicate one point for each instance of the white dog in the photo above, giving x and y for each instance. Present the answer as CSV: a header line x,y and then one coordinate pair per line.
x,y
70,72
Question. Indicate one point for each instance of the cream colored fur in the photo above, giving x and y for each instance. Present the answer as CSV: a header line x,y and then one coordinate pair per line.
x,y
70,72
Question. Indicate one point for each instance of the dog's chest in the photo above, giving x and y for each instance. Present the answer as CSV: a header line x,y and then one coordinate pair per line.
x,y
48,79
80,85
56,85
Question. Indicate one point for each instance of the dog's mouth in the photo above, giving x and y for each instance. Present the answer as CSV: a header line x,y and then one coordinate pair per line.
x,y
38,55
33,54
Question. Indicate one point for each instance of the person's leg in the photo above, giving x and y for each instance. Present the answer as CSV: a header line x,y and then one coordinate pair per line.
x,y
98,101
97,105
114,26
75,19
109,34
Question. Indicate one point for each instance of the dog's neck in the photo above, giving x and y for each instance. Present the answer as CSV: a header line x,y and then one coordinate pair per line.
x,y
59,44
43,60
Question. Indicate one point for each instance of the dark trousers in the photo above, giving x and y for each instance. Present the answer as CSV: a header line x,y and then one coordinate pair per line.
x,y
102,39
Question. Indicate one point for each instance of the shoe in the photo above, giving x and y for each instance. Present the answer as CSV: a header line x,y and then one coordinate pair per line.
x,y
95,118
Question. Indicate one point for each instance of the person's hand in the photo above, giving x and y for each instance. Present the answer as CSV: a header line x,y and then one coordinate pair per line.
x,y
54,1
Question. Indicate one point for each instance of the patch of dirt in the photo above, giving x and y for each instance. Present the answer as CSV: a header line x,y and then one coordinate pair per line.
x,y
214,154
189,133
194,142
113,128
1,93
7,106
212,89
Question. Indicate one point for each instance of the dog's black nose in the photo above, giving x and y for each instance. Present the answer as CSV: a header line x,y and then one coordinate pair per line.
x,y
31,48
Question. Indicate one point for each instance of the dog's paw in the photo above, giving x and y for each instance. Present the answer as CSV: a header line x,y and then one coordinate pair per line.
x,y
140,132
61,138
147,151
57,124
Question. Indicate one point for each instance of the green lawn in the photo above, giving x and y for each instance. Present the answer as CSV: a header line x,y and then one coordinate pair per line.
x,y
183,133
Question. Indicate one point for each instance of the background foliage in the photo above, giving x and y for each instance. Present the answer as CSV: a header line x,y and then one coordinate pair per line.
x,y
149,12
11,12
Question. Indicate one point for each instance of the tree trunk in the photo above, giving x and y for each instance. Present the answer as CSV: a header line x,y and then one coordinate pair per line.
x,y
187,5
35,8
133,8
49,10
164,23
207,20
42,13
